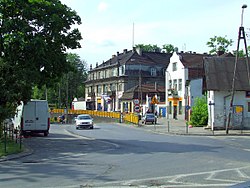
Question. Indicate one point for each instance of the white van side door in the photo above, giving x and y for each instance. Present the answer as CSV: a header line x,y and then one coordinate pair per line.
x,y
29,116
41,115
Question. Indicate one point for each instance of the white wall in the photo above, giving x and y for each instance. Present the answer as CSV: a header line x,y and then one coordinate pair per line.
x,y
220,102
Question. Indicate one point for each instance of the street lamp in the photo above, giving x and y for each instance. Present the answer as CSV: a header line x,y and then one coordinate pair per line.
x,y
168,75
241,35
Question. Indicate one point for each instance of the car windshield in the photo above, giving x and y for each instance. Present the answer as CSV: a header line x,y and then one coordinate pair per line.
x,y
150,115
84,117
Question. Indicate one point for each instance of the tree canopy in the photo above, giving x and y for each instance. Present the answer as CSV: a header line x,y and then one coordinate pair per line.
x,y
34,37
218,43
168,48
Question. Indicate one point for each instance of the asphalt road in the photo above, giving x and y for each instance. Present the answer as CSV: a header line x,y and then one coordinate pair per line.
x,y
112,155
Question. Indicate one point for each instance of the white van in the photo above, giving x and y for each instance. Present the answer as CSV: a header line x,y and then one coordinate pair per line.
x,y
33,117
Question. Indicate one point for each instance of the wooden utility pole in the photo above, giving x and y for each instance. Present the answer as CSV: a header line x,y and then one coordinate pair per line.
x,y
241,35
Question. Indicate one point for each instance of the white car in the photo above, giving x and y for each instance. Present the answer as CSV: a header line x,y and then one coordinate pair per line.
x,y
84,121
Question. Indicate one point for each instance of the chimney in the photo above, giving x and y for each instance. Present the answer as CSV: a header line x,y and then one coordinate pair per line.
x,y
182,52
125,51
90,67
117,53
139,51
113,56
220,52
96,64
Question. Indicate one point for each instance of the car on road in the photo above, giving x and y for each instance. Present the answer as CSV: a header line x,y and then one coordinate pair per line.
x,y
84,121
149,118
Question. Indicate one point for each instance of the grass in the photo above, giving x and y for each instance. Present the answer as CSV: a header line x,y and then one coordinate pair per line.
x,y
12,147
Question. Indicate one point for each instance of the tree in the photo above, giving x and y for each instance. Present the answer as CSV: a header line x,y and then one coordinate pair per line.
x,y
148,47
169,48
218,43
199,115
34,37
242,53
72,82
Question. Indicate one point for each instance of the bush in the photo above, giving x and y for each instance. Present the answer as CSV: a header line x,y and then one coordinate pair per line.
x,y
199,115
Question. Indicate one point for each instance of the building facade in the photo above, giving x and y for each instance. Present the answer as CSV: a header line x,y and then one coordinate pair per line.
x,y
107,82
219,80
184,82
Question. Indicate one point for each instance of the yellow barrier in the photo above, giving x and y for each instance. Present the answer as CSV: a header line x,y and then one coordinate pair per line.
x,y
130,117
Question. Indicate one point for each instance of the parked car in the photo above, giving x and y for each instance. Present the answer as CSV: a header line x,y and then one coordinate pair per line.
x,y
149,117
84,121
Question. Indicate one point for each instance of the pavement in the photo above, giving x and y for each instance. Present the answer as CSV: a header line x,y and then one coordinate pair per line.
x,y
180,127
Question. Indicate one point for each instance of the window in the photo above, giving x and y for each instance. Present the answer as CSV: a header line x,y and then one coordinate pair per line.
x,y
170,84
122,70
180,85
105,74
114,72
174,67
153,72
175,84
180,107
248,106
99,75
120,87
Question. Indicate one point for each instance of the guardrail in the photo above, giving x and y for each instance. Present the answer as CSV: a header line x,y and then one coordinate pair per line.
x,y
128,117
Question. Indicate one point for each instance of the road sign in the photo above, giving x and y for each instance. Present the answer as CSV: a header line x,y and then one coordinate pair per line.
x,y
154,100
137,108
136,101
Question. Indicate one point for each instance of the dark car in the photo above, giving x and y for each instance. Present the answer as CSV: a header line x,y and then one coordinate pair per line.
x,y
149,118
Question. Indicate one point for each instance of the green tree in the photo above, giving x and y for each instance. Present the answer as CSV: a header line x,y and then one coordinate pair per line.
x,y
72,83
34,37
169,48
199,115
218,43
148,47
242,53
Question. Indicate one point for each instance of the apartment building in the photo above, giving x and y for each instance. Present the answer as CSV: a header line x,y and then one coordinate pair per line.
x,y
108,81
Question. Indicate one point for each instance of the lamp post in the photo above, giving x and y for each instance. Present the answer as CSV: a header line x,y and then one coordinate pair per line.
x,y
166,95
241,35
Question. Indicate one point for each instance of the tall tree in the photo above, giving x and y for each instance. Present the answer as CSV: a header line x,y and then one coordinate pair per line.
x,y
71,85
148,47
218,43
169,48
34,37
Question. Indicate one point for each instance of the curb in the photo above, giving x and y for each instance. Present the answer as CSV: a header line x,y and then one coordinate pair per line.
x,y
27,151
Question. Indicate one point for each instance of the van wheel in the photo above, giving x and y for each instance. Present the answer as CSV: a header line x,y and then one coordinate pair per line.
x,y
46,133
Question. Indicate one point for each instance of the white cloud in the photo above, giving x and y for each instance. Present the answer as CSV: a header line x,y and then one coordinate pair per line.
x,y
102,6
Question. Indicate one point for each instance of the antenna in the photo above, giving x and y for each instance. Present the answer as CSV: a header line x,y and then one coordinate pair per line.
x,y
133,35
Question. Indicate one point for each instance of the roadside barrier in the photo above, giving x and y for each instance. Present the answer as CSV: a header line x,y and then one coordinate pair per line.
x,y
127,117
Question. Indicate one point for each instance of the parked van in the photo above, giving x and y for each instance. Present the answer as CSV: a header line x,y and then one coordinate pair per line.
x,y
33,117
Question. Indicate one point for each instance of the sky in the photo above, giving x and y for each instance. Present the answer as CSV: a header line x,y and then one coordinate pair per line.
x,y
110,26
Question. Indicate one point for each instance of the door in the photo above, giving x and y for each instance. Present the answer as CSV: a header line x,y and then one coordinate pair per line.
x,y
29,116
41,115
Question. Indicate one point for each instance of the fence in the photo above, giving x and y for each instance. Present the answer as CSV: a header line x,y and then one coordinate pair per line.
x,y
128,117
9,138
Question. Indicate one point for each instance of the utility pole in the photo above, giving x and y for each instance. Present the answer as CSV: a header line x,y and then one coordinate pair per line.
x,y
241,35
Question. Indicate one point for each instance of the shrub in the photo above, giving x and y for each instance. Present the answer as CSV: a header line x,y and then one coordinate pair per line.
x,y
199,115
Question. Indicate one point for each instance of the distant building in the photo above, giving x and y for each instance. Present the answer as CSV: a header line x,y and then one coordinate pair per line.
x,y
108,81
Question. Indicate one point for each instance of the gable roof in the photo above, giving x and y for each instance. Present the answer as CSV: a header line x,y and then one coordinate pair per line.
x,y
143,58
145,88
219,74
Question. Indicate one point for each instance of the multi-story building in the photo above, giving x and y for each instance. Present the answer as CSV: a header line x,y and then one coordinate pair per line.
x,y
107,82
184,82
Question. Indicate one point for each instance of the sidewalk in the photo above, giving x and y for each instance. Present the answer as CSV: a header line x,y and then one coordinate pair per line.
x,y
179,127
